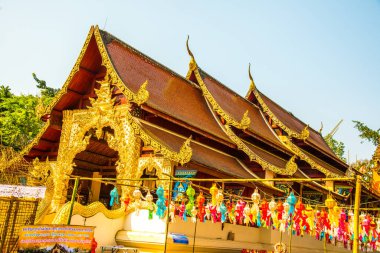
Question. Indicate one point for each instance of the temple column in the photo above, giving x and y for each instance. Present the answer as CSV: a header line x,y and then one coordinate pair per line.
x,y
269,175
95,187
330,185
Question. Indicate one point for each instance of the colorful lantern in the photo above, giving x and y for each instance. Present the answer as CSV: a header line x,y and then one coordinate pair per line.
x,y
213,192
291,200
160,203
201,209
114,197
190,194
330,202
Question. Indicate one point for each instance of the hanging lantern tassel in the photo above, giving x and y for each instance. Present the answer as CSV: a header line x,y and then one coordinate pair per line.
x,y
182,211
201,208
213,192
255,210
190,194
273,215
247,214
172,208
160,203
291,200
114,197
223,212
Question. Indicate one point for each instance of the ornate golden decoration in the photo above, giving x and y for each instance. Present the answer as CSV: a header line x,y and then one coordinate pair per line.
x,y
182,157
301,136
193,67
95,208
74,70
87,211
40,108
163,169
142,94
297,151
290,168
39,173
291,164
125,139
139,98
45,204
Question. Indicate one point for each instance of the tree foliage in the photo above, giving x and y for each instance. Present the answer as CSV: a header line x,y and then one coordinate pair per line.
x,y
19,123
336,146
45,90
367,133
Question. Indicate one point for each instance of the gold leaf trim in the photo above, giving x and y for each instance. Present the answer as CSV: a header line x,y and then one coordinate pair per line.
x,y
245,121
87,211
301,136
74,70
252,88
193,67
142,94
297,151
290,168
182,157
95,208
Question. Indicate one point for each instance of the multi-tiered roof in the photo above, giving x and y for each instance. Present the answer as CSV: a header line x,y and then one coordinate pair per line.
x,y
232,136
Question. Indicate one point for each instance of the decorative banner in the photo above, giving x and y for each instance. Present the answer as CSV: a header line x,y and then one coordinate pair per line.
x,y
19,191
55,238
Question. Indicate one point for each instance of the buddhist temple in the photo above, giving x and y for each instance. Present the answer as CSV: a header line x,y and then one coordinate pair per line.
x,y
126,126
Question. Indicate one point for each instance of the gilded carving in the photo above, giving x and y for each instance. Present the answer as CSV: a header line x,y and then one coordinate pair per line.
x,y
193,68
297,151
301,136
126,139
163,169
74,70
290,168
142,94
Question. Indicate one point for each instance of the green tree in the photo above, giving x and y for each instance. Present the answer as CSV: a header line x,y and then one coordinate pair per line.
x,y
19,123
366,133
46,91
5,92
336,146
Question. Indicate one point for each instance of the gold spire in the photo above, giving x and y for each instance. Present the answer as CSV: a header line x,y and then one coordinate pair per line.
x,y
252,85
192,63
230,120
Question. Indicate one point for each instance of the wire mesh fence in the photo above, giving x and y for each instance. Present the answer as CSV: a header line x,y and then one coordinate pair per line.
x,y
14,213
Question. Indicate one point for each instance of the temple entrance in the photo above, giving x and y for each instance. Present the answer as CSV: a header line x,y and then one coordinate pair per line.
x,y
96,161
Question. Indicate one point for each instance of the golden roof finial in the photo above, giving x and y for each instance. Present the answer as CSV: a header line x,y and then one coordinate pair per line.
x,y
252,85
192,64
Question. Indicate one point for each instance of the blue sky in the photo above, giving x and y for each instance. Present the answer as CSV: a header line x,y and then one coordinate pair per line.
x,y
318,59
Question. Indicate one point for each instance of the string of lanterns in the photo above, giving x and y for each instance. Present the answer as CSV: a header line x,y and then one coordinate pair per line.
x,y
336,224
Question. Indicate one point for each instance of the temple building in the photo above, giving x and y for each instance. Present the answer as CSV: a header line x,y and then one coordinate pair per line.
x,y
122,116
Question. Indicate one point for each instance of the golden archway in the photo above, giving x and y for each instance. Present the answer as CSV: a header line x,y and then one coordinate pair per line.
x,y
75,138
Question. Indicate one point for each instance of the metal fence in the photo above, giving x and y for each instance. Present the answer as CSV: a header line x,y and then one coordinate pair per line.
x,y
14,213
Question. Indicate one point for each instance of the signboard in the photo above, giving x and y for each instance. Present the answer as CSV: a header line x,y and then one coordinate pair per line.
x,y
55,238
20,191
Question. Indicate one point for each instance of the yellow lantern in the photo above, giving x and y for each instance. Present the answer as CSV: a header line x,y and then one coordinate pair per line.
x,y
309,211
330,202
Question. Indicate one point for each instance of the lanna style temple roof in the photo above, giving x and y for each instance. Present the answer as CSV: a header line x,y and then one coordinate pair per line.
x,y
195,122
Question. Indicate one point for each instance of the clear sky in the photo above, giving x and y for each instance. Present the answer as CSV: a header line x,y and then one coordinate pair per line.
x,y
318,59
